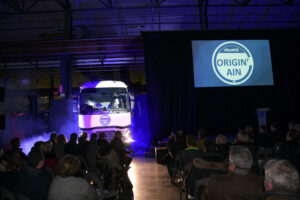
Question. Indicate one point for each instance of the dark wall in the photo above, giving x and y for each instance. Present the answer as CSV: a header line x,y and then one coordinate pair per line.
x,y
174,103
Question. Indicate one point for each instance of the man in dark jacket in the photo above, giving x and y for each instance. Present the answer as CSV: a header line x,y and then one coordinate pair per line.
x,y
239,183
34,182
118,146
188,154
281,181
71,146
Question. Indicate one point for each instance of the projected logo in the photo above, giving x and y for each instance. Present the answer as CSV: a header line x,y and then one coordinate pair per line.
x,y
232,63
104,120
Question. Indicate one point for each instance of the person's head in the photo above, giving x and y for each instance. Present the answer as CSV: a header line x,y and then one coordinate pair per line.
x,y
13,160
118,134
82,140
202,133
15,143
240,158
37,146
53,137
35,159
274,127
292,135
282,176
46,147
102,135
61,139
221,139
84,135
93,138
179,136
209,145
68,165
190,140
243,137
291,125
73,137
262,129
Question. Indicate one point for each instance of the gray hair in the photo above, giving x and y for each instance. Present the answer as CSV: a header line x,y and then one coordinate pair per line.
x,y
241,157
283,176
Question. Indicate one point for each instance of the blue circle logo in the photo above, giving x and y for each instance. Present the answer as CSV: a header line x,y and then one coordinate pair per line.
x,y
232,63
104,120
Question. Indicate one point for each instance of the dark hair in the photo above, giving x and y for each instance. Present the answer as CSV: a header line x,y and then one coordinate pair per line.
x,y
118,133
191,140
15,143
81,140
102,135
13,159
94,136
61,139
34,157
68,165
37,145
53,137
73,137
210,145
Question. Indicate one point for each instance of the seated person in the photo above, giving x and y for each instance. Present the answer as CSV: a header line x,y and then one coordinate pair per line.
x,y
239,183
34,181
281,180
189,153
68,184
210,162
222,147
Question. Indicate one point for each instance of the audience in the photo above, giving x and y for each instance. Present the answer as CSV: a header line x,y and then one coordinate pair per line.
x,y
281,181
239,183
79,166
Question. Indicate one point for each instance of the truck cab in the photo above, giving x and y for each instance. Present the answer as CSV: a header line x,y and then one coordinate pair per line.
x,y
105,106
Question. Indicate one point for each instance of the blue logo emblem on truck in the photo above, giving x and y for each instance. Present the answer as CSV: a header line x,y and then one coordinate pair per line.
x,y
232,63
104,120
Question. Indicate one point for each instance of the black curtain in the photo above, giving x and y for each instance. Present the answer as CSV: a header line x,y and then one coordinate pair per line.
x,y
175,104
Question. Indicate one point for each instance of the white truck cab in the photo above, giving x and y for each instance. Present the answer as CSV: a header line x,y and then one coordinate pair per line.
x,y
105,106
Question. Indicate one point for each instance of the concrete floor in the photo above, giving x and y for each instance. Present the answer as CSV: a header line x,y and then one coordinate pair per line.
x,y
150,180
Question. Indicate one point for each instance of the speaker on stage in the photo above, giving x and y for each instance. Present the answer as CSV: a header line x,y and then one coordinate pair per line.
x,y
2,93
2,122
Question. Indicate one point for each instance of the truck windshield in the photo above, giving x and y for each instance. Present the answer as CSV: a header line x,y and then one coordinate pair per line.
x,y
98,100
